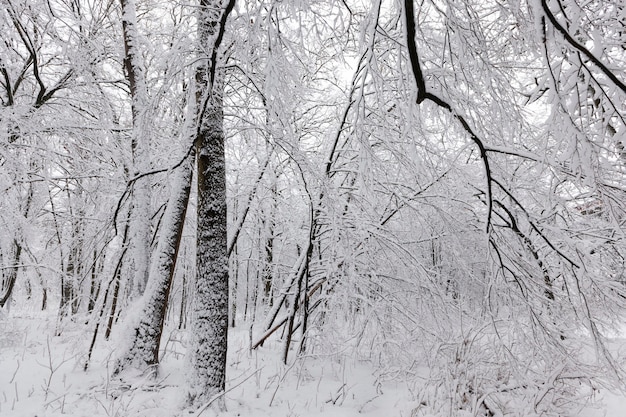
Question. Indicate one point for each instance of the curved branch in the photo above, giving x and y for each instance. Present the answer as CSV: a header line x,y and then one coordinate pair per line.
x,y
7,86
409,15
47,94
580,47
344,119
481,146
218,39
422,95
512,224
131,182
241,220
534,226
32,51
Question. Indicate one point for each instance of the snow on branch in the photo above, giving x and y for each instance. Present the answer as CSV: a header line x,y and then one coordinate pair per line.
x,y
580,47
422,95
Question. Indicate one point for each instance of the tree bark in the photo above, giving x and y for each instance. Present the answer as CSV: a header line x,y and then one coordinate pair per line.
x,y
146,333
140,145
209,325
10,277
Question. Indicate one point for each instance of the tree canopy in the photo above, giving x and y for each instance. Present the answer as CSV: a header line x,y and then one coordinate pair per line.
x,y
437,184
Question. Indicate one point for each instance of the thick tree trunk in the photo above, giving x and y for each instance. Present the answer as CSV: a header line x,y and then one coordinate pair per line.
x,y
209,326
210,308
140,144
146,332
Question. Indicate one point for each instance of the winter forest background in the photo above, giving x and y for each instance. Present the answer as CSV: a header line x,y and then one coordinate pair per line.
x,y
412,208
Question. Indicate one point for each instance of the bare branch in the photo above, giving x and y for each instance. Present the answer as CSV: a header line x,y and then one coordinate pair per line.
x,y
409,15
422,95
580,47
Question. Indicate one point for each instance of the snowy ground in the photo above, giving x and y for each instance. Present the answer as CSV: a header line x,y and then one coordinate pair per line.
x,y
42,375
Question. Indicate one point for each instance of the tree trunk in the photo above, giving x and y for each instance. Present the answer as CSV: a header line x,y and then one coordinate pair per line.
x,y
94,285
10,276
209,330
146,332
233,303
140,211
210,308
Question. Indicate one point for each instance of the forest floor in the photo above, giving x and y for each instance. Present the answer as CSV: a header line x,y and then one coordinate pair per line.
x,y
42,375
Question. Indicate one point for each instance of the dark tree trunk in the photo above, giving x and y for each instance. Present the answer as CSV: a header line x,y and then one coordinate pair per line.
x,y
210,310
10,276
209,327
